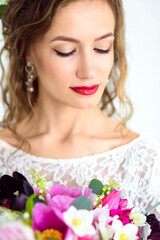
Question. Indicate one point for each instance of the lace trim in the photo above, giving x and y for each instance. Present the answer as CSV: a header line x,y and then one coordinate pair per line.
x,y
82,158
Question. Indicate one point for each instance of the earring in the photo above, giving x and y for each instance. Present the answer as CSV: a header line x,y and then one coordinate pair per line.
x,y
29,69
107,81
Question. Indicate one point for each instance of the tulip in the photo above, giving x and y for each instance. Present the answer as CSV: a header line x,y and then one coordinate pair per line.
x,y
14,191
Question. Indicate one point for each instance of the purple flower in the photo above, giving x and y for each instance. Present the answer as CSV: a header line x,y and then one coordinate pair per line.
x,y
155,227
14,191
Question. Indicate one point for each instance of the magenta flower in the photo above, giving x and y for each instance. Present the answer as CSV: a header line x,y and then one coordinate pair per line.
x,y
123,215
48,217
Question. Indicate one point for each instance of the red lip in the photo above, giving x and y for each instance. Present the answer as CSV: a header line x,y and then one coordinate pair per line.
x,y
85,90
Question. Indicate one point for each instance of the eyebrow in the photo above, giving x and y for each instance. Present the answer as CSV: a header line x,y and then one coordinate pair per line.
x,y
68,39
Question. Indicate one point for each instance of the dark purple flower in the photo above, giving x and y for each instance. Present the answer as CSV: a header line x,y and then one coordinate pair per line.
x,y
14,191
155,227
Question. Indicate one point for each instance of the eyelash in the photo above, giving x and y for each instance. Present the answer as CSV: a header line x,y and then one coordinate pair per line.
x,y
71,53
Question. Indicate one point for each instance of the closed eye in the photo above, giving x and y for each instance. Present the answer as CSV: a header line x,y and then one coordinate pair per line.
x,y
61,54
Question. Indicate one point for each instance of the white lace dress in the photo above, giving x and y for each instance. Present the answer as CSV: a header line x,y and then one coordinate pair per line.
x,y
136,167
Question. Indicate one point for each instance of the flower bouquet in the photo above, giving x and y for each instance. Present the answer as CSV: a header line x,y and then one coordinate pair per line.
x,y
58,212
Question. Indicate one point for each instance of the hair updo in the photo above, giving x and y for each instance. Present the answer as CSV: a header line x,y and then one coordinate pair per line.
x,y
26,21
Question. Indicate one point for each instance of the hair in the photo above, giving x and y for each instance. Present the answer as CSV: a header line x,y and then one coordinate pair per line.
x,y
24,22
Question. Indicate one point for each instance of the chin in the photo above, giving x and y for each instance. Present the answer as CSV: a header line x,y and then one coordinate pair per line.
x,y
86,104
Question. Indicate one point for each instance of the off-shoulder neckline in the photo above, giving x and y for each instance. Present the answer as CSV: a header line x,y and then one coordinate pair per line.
x,y
87,157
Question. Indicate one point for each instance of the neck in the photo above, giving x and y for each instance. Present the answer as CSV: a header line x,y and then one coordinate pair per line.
x,y
62,121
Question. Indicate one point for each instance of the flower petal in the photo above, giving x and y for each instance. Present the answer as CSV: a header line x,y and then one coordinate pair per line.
x,y
61,202
112,200
59,189
46,217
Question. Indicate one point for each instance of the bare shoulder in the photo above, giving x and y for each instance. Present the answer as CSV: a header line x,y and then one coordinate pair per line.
x,y
118,133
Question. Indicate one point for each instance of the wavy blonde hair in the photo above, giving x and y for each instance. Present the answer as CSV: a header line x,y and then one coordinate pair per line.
x,y
26,21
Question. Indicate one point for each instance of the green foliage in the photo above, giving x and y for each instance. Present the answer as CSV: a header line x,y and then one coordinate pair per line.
x,y
40,183
96,186
101,190
30,204
82,202
151,208
2,8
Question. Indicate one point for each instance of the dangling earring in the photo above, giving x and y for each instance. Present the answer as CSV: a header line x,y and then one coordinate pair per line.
x,y
107,81
29,83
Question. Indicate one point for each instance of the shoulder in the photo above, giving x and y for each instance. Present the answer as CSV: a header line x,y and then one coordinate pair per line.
x,y
147,143
117,133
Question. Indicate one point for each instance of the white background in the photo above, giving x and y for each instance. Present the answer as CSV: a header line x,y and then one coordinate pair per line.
x,y
143,54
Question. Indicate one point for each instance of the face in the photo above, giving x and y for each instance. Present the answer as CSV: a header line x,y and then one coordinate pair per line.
x,y
76,51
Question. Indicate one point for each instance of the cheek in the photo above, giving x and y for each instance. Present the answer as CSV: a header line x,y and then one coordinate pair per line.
x,y
50,69
107,65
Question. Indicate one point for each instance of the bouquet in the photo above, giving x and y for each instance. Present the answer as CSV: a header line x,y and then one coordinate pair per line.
x,y
58,212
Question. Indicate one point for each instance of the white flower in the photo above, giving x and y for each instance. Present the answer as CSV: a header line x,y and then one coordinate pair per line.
x,y
6,217
145,231
137,217
80,221
127,232
116,225
106,233
101,220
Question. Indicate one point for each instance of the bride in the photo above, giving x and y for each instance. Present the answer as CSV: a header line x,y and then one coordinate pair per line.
x,y
67,66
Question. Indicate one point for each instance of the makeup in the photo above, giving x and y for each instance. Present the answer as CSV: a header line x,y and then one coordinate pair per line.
x,y
84,90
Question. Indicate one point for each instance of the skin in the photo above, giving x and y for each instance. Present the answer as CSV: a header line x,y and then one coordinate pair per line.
x,y
71,119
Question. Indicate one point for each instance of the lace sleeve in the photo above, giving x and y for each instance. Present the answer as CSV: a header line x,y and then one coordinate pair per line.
x,y
144,174
153,178
4,156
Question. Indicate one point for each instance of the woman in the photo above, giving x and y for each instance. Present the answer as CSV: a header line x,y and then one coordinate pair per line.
x,y
66,64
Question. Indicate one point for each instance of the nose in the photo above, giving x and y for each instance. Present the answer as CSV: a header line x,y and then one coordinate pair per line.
x,y
86,67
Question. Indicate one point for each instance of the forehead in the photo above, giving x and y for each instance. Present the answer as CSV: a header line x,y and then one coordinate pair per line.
x,y
83,19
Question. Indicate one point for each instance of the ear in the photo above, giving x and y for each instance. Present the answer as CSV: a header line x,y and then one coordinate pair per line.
x,y
29,57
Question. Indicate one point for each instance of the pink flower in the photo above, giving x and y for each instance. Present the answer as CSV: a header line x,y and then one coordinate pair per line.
x,y
16,230
49,217
112,200
74,192
122,203
87,238
62,196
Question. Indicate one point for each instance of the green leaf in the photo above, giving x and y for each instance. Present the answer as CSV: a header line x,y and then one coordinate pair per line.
x,y
96,186
82,202
2,8
30,204
152,208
